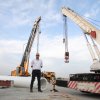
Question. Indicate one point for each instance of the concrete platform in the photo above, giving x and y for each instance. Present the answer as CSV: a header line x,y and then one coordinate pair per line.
x,y
24,94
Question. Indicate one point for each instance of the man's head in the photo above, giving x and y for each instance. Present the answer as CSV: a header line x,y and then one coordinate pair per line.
x,y
37,55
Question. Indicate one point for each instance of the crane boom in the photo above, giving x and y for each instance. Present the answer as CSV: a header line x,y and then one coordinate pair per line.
x,y
22,70
30,41
83,24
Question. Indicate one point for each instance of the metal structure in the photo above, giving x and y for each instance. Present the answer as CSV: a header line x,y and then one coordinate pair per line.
x,y
48,75
87,82
22,70
65,39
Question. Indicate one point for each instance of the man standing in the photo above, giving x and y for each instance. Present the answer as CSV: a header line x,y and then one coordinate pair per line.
x,y
36,66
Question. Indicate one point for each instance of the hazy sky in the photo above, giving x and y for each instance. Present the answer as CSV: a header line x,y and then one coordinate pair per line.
x,y
16,21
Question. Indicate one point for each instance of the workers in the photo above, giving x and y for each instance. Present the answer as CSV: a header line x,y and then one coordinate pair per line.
x,y
53,82
36,66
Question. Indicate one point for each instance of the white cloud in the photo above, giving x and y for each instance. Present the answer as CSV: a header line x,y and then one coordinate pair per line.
x,y
11,46
54,47
51,48
52,53
23,13
94,10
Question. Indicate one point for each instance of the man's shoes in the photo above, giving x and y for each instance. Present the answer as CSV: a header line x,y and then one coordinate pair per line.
x,y
31,91
55,90
40,91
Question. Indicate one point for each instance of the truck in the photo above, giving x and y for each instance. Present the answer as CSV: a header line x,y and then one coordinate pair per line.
x,y
86,82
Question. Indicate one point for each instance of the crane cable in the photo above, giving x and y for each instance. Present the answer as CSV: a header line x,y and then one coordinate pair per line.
x,y
65,34
38,34
65,39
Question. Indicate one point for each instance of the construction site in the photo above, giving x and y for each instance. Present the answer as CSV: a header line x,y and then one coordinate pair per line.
x,y
80,85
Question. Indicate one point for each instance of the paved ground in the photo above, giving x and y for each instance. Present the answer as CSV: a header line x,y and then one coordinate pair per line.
x,y
81,95
24,94
63,94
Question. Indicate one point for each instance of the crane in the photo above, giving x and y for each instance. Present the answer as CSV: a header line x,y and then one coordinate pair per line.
x,y
22,70
86,82
65,39
82,23
90,30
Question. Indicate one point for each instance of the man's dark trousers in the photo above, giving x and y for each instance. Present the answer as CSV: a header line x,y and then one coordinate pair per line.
x,y
36,73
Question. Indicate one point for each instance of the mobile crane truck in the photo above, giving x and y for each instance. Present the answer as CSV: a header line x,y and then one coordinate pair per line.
x,y
86,82
22,70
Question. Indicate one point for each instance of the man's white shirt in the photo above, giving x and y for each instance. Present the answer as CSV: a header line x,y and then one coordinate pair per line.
x,y
36,64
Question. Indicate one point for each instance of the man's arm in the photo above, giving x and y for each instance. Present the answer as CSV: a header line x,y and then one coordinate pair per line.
x,y
41,64
32,64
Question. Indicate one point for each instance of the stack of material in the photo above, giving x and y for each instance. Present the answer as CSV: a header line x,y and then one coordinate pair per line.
x,y
23,82
61,82
6,83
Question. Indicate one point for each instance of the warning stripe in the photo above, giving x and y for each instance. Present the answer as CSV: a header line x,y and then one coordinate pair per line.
x,y
70,84
97,89
88,90
73,85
